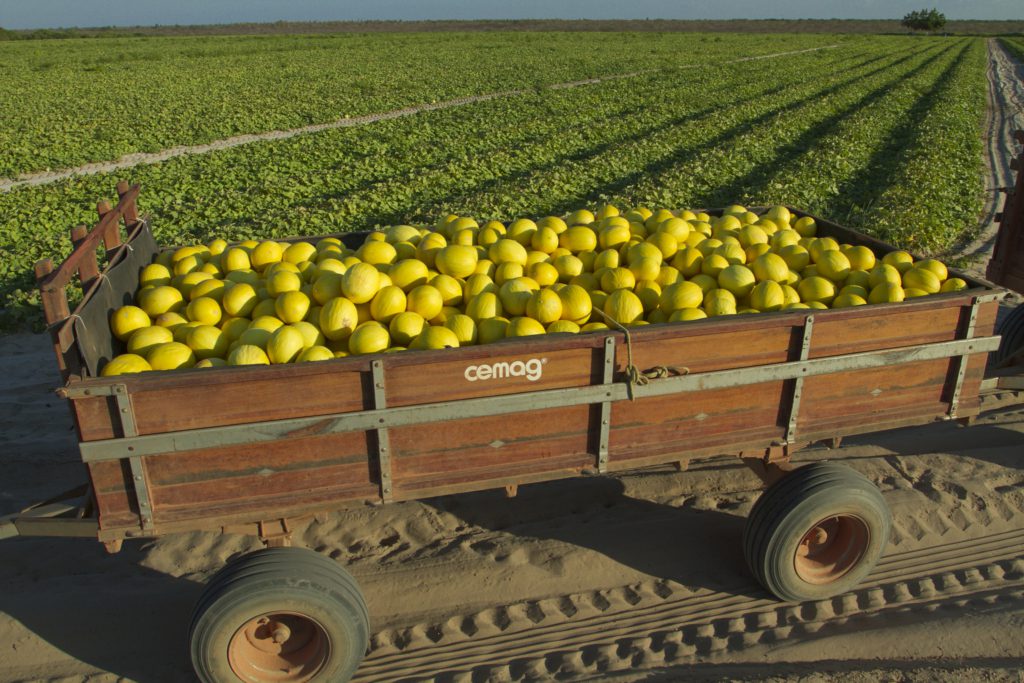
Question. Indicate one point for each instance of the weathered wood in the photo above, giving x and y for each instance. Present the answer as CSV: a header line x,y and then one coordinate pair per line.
x,y
490,443
679,424
54,300
88,266
69,268
459,375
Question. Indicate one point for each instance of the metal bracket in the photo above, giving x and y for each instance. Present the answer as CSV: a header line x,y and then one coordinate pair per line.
x,y
383,441
606,406
961,370
129,428
275,533
798,383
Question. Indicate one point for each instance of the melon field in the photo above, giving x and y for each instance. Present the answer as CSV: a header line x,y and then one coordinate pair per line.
x,y
881,133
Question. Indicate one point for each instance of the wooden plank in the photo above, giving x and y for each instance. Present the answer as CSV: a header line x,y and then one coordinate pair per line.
x,y
208,498
872,330
489,445
96,418
88,265
712,349
314,499
54,300
852,398
721,418
200,404
221,464
111,483
548,469
63,275
500,371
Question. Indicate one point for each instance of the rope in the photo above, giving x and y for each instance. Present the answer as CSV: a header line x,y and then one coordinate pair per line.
x,y
634,376
61,323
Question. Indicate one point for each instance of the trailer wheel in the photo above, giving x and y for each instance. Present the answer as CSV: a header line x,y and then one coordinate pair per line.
x,y
1011,329
816,533
287,615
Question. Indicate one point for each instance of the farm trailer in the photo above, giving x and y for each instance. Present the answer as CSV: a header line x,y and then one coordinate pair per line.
x,y
259,450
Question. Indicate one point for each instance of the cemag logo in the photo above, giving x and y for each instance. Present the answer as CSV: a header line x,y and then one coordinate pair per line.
x,y
532,369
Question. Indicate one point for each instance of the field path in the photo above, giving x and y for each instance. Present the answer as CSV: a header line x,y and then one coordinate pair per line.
x,y
1004,115
140,159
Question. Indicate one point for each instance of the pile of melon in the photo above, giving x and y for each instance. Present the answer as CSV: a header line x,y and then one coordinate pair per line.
x,y
461,283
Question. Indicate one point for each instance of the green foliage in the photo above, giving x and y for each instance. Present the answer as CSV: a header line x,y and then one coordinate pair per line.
x,y
74,102
881,133
930,20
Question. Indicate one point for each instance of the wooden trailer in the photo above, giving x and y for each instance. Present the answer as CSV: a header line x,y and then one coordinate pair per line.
x,y
260,449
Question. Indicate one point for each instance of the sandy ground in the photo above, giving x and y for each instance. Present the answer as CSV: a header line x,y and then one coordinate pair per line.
x,y
631,578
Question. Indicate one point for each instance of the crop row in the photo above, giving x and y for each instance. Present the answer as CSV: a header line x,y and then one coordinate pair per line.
x,y
812,130
64,103
353,178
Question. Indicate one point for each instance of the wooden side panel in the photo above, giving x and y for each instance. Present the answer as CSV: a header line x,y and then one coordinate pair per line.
x,y
449,377
308,469
245,402
882,327
740,344
115,498
96,418
231,480
853,398
726,418
425,456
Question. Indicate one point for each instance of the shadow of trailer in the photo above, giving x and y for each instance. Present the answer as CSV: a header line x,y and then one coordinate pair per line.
x,y
218,449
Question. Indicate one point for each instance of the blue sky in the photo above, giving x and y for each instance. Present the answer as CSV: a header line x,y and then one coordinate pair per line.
x,y
65,13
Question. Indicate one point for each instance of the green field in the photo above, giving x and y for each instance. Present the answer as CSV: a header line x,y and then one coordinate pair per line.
x,y
882,133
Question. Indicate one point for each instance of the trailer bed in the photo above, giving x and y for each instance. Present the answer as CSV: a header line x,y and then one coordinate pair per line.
x,y
261,446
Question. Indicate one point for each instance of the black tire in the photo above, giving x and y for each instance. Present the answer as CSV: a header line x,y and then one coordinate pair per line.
x,y
279,609
1011,329
816,533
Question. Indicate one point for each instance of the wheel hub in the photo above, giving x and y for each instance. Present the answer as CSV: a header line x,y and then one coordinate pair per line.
x,y
831,548
282,647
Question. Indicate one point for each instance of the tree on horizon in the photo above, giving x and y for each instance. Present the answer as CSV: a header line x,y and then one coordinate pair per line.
x,y
925,20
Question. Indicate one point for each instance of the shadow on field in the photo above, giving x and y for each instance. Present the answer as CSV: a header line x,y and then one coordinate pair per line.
x,y
107,611
680,156
988,443
863,188
694,548
761,175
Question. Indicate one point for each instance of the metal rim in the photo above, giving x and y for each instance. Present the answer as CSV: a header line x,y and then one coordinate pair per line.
x,y
831,548
283,647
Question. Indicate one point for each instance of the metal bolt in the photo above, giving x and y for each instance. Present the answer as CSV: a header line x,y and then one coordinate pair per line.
x,y
281,633
138,477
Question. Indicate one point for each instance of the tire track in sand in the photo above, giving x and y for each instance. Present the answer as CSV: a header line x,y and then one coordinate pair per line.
x,y
637,627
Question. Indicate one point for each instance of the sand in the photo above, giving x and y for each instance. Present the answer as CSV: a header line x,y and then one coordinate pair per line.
x,y
630,578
